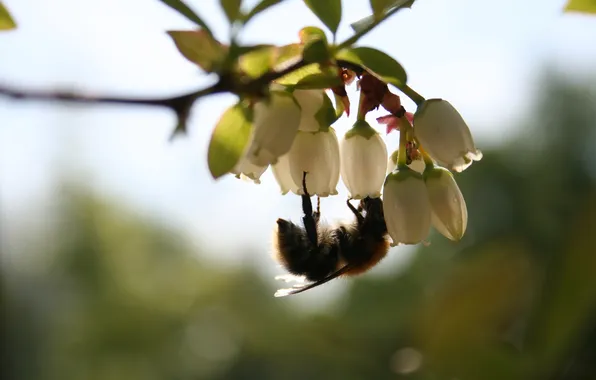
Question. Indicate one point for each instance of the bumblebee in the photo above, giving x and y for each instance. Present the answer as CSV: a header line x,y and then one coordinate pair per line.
x,y
320,253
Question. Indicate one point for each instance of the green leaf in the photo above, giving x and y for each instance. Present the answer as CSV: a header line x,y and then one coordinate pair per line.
x,y
376,5
328,11
231,8
326,115
260,7
184,10
340,107
316,51
377,63
200,47
258,61
310,33
318,81
297,75
583,6
229,140
6,21
288,53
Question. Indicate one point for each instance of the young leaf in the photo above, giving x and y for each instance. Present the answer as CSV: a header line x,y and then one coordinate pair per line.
x,y
260,7
184,10
584,6
297,75
287,54
377,63
318,81
229,140
200,48
328,11
316,51
258,61
311,33
6,21
231,8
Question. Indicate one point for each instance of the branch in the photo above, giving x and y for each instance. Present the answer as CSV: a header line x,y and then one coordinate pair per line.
x,y
225,84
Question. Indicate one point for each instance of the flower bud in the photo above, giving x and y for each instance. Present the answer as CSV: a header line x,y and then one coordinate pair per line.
x,y
449,212
275,125
406,207
363,161
318,155
417,165
444,135
246,170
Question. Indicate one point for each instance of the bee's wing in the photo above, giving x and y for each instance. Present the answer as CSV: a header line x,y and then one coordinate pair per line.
x,y
301,288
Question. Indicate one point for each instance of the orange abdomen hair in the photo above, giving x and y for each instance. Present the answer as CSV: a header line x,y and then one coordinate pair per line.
x,y
373,252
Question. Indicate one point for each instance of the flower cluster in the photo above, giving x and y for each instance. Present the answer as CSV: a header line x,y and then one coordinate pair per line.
x,y
415,182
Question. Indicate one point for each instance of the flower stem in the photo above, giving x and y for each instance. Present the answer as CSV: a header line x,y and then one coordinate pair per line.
x,y
410,93
428,161
361,113
402,155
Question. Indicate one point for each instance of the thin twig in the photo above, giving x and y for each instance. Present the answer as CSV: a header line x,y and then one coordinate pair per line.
x,y
223,85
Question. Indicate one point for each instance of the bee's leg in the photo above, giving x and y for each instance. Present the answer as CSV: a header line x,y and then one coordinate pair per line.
x,y
361,206
309,219
359,216
318,212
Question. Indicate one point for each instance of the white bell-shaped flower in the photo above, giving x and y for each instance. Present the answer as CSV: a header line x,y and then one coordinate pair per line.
x,y
275,125
333,147
363,161
317,154
417,165
444,135
281,172
246,170
406,207
310,102
449,211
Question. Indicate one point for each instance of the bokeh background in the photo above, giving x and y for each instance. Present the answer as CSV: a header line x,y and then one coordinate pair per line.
x,y
122,259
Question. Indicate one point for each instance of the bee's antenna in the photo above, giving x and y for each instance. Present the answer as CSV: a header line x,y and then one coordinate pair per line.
x,y
318,205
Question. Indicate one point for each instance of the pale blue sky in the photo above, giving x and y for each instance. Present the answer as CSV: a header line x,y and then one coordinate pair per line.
x,y
483,56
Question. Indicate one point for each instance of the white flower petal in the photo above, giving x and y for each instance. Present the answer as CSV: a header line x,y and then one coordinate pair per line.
x,y
275,127
449,211
311,153
363,164
406,207
281,172
333,158
246,170
444,134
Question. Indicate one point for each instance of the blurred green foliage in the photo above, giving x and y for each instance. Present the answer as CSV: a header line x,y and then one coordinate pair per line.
x,y
6,20
119,298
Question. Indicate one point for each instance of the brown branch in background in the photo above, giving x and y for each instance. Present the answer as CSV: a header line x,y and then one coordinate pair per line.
x,y
181,104
225,84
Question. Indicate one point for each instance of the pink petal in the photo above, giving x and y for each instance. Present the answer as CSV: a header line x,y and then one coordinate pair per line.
x,y
391,121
